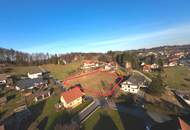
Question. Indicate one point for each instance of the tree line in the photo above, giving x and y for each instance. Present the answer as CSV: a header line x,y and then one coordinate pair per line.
x,y
12,56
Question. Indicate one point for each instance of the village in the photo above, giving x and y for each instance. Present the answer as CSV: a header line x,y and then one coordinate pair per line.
x,y
94,87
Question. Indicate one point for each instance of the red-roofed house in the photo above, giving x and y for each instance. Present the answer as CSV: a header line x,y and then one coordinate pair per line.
x,y
147,68
72,98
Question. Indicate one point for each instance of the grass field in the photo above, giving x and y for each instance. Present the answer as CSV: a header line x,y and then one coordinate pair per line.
x,y
174,77
23,70
62,71
177,77
45,115
100,81
106,119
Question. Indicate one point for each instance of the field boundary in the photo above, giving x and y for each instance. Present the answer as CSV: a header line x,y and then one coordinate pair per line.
x,y
109,93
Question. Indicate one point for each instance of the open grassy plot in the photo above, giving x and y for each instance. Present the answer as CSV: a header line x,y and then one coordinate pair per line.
x,y
106,119
23,70
177,77
62,71
45,115
100,81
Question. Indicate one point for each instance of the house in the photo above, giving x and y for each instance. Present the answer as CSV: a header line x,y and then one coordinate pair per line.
x,y
147,68
128,65
42,95
154,66
3,78
34,75
109,66
175,124
179,54
71,98
89,64
133,84
29,83
165,65
3,101
173,63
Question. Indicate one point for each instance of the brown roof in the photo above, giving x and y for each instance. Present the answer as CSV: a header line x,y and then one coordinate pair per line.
x,y
72,94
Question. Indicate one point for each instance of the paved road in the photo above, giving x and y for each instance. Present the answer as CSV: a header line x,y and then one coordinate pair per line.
x,y
181,101
85,113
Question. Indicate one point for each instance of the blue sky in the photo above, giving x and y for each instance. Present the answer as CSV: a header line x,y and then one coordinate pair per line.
x,y
60,26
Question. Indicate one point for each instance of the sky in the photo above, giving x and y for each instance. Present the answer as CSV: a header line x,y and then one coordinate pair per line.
x,y
62,26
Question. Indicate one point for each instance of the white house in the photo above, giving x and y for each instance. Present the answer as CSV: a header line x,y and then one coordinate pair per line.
x,y
129,87
3,78
133,84
34,75
88,64
154,66
174,63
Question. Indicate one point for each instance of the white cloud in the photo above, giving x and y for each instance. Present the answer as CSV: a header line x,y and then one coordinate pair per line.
x,y
168,34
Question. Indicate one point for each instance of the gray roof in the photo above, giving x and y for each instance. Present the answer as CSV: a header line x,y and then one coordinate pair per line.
x,y
137,79
27,83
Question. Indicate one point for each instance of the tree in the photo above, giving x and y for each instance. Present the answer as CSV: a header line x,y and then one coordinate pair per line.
x,y
156,87
103,58
128,57
160,63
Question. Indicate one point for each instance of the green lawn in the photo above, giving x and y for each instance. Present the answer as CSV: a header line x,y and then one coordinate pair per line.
x,y
62,71
14,100
106,119
177,77
23,70
45,114
45,109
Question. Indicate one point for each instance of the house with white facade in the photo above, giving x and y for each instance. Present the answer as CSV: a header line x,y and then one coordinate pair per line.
x,y
133,84
3,78
34,75
89,64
